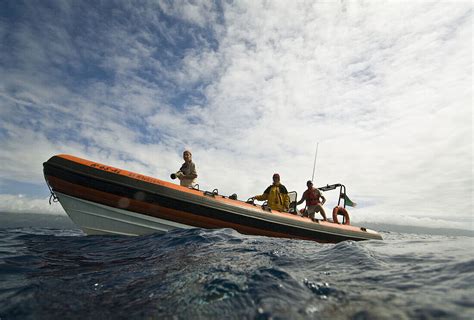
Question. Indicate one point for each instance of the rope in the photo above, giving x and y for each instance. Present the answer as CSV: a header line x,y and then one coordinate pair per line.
x,y
52,197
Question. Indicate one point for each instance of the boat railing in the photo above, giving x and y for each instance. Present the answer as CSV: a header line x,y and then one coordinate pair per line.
x,y
215,193
342,192
212,193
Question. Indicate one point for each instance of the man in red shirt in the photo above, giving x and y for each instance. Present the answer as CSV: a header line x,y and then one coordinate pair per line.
x,y
313,201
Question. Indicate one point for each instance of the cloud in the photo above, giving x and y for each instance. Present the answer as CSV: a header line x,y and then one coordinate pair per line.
x,y
200,13
25,204
250,87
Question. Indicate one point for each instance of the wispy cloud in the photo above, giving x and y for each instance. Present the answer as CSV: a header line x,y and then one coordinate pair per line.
x,y
385,87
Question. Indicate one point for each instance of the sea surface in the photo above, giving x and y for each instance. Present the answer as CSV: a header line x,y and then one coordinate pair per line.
x,y
59,273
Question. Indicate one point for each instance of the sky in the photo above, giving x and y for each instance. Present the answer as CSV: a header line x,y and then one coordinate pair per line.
x,y
383,88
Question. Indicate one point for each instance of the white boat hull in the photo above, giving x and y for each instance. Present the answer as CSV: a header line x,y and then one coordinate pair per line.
x,y
98,219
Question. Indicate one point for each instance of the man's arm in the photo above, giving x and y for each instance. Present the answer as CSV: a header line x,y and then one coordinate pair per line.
x,y
321,196
192,171
303,198
262,197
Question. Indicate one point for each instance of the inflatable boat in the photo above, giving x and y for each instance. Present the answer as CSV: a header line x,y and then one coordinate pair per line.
x,y
102,199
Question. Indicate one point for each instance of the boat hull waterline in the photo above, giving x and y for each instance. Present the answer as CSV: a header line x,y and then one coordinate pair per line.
x,y
102,199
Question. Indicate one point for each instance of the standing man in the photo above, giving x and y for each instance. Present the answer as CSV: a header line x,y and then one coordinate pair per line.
x,y
313,201
276,195
187,173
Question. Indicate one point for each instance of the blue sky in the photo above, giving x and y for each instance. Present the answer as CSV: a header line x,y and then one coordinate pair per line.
x,y
385,87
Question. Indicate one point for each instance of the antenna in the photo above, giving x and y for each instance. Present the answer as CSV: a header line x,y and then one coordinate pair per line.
x,y
315,156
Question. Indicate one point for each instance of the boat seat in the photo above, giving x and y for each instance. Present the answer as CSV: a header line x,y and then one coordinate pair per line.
x,y
293,195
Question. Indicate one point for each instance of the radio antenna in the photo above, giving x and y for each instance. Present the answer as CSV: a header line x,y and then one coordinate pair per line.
x,y
315,156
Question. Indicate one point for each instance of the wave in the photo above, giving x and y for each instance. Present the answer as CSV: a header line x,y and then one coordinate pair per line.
x,y
197,273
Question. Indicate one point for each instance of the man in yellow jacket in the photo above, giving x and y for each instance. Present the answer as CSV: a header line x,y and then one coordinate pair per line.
x,y
276,195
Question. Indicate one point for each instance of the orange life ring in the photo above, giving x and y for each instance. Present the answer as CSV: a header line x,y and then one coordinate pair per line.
x,y
340,211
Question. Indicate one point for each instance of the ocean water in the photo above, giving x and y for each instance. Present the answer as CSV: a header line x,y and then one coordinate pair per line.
x,y
59,273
